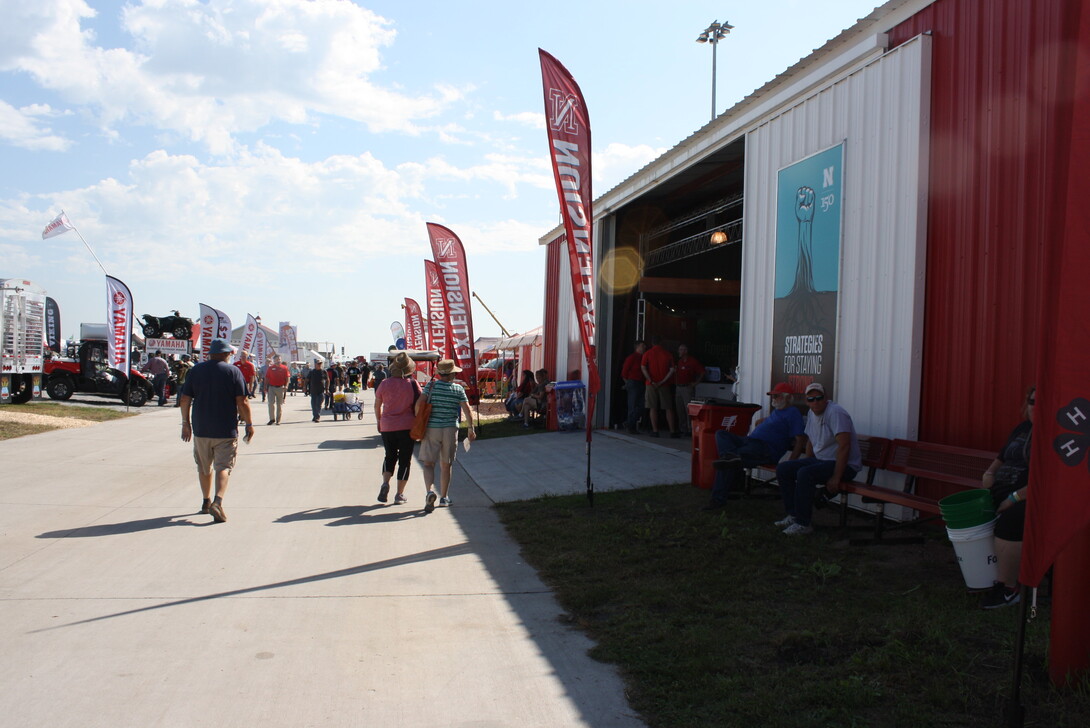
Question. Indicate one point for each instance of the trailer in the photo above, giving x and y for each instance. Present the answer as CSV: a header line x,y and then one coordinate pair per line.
x,y
22,340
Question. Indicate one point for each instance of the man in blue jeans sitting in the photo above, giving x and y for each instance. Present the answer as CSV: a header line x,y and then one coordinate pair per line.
x,y
775,435
832,455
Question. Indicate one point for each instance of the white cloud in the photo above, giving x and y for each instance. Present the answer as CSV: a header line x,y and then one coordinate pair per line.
x,y
210,70
531,119
617,162
21,128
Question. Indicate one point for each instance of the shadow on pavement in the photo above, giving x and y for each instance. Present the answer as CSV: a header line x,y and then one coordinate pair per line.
x,y
439,553
114,529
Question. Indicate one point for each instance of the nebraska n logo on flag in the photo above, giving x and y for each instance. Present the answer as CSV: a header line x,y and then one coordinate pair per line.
x,y
562,114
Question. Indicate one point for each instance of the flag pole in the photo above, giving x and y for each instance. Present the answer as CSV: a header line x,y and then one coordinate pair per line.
x,y
88,246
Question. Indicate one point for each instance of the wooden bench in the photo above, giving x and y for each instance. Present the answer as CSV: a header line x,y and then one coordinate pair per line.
x,y
957,466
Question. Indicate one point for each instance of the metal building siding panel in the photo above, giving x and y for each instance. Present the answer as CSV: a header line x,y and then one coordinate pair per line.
x,y
550,331
880,111
996,68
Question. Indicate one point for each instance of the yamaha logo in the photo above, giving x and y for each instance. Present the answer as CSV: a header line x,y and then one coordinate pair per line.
x,y
119,298
208,319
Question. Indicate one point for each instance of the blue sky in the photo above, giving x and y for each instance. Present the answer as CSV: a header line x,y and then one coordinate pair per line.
x,y
281,157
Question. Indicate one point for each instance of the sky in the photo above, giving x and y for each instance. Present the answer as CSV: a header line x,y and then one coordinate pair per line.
x,y
281,157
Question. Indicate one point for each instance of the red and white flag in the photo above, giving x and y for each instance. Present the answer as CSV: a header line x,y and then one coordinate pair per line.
x,y
249,337
119,316
289,342
450,259
215,324
58,226
262,350
568,126
437,311
414,325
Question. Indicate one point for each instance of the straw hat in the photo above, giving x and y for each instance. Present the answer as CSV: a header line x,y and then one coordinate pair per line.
x,y
402,366
447,366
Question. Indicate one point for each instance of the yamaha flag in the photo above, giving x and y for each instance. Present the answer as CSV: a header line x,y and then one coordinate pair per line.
x,y
450,259
249,338
119,316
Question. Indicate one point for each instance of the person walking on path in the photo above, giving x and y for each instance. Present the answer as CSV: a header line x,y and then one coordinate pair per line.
x,y
395,401
214,400
159,369
317,383
632,375
440,442
276,381
249,373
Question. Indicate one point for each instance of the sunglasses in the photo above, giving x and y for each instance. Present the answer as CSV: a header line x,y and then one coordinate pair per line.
x,y
816,398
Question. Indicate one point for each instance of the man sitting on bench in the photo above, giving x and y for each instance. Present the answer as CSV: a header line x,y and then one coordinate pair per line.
x,y
832,455
768,442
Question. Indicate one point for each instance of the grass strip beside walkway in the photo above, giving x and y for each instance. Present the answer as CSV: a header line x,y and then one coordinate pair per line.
x,y
718,619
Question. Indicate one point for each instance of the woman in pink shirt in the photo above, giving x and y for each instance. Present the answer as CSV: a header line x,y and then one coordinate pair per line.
x,y
395,400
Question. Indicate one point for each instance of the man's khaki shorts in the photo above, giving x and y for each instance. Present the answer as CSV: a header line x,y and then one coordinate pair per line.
x,y
659,397
440,444
214,453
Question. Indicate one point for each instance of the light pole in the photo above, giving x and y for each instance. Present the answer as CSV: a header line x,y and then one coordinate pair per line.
x,y
713,34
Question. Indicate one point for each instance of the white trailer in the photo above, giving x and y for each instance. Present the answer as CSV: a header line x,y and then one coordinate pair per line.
x,y
22,340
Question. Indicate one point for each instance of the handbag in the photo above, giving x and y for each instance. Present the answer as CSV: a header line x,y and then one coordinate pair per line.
x,y
420,424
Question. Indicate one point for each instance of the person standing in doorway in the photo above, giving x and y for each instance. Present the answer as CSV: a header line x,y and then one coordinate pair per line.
x,y
213,402
690,373
634,385
658,370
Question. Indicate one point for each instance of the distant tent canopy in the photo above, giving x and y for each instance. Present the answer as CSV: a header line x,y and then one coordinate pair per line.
x,y
530,338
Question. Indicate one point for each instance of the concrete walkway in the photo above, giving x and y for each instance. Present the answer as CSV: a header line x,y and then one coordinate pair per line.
x,y
312,606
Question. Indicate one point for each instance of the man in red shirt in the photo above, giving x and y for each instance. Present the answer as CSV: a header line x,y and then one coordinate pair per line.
x,y
632,381
658,369
248,372
689,373
276,379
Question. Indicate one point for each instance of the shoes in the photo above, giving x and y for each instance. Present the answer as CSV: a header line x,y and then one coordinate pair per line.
x,y
400,498
714,506
278,422
526,425
785,522
383,492
204,505
797,529
216,510
654,433
1000,595
445,502
675,435
270,422
429,502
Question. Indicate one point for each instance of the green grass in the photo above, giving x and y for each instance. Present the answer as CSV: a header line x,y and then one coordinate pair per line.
x,y
493,428
720,620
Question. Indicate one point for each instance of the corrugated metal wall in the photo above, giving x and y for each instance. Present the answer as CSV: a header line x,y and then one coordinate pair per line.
x,y
994,88
880,112
550,331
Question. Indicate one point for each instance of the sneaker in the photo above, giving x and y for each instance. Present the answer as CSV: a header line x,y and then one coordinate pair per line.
x,y
400,498
675,435
654,433
216,510
383,492
785,522
271,422
204,505
1000,595
797,529
445,502
429,502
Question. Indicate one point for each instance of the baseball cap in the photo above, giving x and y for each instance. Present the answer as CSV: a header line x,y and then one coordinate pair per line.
x,y
782,388
815,387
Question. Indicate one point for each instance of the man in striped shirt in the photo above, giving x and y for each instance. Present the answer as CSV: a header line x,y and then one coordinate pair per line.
x,y
440,442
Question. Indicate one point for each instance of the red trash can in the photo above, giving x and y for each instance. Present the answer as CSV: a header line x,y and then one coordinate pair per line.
x,y
706,420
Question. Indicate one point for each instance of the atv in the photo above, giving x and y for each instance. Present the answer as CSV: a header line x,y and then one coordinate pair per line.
x,y
177,326
89,372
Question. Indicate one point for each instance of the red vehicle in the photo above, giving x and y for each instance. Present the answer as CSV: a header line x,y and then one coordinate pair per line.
x,y
88,371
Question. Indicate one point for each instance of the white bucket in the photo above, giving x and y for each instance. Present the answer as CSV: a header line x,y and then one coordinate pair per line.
x,y
975,549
